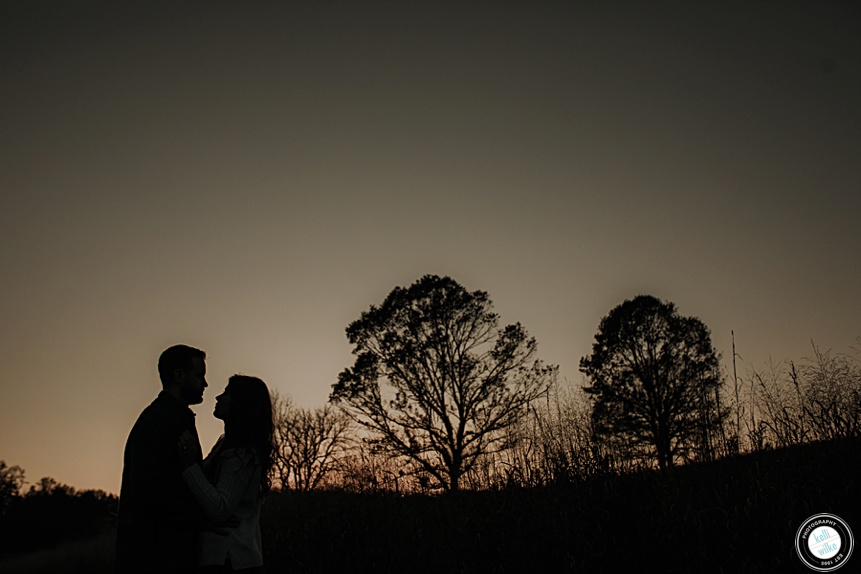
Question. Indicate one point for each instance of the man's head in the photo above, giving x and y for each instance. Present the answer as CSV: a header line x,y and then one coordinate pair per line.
x,y
182,371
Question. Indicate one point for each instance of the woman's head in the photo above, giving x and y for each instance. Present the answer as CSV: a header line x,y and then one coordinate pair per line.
x,y
246,409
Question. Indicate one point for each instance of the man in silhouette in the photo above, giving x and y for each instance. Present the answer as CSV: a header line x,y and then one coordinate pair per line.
x,y
158,518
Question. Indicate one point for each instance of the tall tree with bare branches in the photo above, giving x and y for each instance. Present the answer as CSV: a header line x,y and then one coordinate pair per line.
x,y
310,443
436,379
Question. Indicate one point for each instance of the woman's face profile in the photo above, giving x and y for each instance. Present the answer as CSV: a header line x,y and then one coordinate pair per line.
x,y
222,405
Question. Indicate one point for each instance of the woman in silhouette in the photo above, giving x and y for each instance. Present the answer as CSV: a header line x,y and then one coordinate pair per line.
x,y
231,481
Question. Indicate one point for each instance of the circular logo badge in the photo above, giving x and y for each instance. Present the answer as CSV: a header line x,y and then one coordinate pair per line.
x,y
824,542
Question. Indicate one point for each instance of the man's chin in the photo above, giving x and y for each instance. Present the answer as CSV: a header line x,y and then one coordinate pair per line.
x,y
194,400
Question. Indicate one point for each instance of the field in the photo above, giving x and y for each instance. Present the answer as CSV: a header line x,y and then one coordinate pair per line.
x,y
734,515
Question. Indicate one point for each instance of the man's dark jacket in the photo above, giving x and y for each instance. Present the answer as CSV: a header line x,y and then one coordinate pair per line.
x,y
158,518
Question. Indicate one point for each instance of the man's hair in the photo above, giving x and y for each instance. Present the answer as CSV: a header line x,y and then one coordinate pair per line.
x,y
176,357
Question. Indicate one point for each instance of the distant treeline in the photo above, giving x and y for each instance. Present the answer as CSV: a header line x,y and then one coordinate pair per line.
x,y
48,513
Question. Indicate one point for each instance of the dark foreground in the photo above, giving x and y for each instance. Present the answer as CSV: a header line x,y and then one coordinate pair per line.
x,y
735,515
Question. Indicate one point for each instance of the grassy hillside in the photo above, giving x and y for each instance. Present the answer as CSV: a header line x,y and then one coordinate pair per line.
x,y
735,515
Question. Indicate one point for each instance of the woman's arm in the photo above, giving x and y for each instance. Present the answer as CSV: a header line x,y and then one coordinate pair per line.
x,y
220,500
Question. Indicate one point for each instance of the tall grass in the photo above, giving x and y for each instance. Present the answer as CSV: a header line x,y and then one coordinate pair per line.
x,y
734,515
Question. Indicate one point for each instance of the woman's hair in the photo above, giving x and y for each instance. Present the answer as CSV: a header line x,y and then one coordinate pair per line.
x,y
250,422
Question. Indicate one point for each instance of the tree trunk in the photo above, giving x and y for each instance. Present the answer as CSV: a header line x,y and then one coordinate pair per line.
x,y
665,456
454,474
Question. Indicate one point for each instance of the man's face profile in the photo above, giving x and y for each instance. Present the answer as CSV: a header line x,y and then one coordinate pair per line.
x,y
193,381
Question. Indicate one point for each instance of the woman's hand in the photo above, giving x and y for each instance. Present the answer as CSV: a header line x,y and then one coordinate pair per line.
x,y
189,452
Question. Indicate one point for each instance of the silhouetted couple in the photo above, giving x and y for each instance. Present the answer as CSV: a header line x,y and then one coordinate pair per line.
x,y
181,513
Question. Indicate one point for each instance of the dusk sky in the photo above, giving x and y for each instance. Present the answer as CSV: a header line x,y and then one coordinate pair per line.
x,y
248,177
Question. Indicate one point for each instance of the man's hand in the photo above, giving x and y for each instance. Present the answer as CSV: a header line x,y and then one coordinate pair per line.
x,y
188,450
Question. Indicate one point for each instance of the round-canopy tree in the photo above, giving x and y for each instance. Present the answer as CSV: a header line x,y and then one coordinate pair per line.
x,y
654,380
436,379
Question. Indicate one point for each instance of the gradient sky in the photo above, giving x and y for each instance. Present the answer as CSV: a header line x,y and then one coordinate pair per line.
x,y
248,177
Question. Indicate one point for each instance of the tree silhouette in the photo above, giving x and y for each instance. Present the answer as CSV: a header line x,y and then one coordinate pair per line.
x,y
654,380
436,380
11,483
310,443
